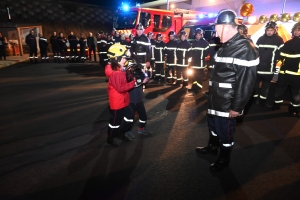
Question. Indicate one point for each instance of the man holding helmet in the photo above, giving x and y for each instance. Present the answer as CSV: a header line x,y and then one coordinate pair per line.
x,y
183,55
290,72
230,88
137,97
268,47
170,53
199,50
118,95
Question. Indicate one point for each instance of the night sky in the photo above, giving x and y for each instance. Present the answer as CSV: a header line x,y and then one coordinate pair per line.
x,y
111,3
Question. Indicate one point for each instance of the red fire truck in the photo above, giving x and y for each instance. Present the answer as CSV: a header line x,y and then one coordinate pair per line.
x,y
159,21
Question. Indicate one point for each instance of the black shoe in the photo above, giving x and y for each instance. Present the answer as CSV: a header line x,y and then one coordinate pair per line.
x,y
113,142
219,165
222,161
208,150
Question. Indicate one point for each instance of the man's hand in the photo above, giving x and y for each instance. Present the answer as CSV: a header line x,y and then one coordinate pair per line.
x,y
145,80
233,114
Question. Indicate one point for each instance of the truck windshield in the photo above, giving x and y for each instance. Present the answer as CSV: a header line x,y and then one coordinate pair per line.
x,y
126,20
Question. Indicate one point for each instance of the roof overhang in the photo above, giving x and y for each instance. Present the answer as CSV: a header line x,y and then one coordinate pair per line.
x,y
160,3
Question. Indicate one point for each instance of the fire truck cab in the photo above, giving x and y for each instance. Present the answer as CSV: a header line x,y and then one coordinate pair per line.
x,y
153,20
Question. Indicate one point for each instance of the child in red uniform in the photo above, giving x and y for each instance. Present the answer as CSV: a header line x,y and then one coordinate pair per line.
x,y
121,114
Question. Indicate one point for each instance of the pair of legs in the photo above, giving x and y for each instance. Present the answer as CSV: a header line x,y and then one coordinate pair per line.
x,y
33,53
171,73
261,94
159,72
92,49
294,82
120,121
55,51
181,73
220,136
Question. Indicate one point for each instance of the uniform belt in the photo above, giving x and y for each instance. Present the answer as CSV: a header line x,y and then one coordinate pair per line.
x,y
221,85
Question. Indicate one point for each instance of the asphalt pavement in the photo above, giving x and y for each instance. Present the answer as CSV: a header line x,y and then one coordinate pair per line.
x,y
53,127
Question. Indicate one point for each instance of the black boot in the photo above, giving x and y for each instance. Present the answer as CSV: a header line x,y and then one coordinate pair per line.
x,y
113,142
213,150
222,161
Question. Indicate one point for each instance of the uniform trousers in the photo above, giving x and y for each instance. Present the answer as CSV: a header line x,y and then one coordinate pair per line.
x,y
33,51
223,129
140,109
73,51
120,120
159,71
171,73
262,93
55,51
294,82
181,73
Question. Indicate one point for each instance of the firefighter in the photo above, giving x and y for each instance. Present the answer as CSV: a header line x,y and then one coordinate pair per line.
x,y
102,51
62,42
199,51
55,47
130,43
231,85
268,47
82,43
159,59
141,50
290,72
117,38
91,42
73,41
31,42
109,41
170,53
43,44
152,61
123,40
183,55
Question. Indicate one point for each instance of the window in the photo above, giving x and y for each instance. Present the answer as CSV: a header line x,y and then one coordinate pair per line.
x,y
166,21
145,19
126,20
156,21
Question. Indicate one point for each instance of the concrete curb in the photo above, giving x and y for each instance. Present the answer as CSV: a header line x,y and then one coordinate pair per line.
x,y
8,62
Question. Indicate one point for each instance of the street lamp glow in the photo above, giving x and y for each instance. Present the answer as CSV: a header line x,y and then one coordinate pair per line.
x,y
172,6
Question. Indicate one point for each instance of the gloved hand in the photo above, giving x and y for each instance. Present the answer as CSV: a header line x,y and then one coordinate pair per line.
x,y
138,82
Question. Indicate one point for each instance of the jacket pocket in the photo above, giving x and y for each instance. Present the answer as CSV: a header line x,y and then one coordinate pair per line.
x,y
226,93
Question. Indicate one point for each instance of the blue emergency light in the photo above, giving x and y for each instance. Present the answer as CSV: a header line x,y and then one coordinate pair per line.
x,y
125,6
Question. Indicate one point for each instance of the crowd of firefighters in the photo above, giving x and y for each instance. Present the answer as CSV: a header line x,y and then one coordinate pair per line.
x,y
169,62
